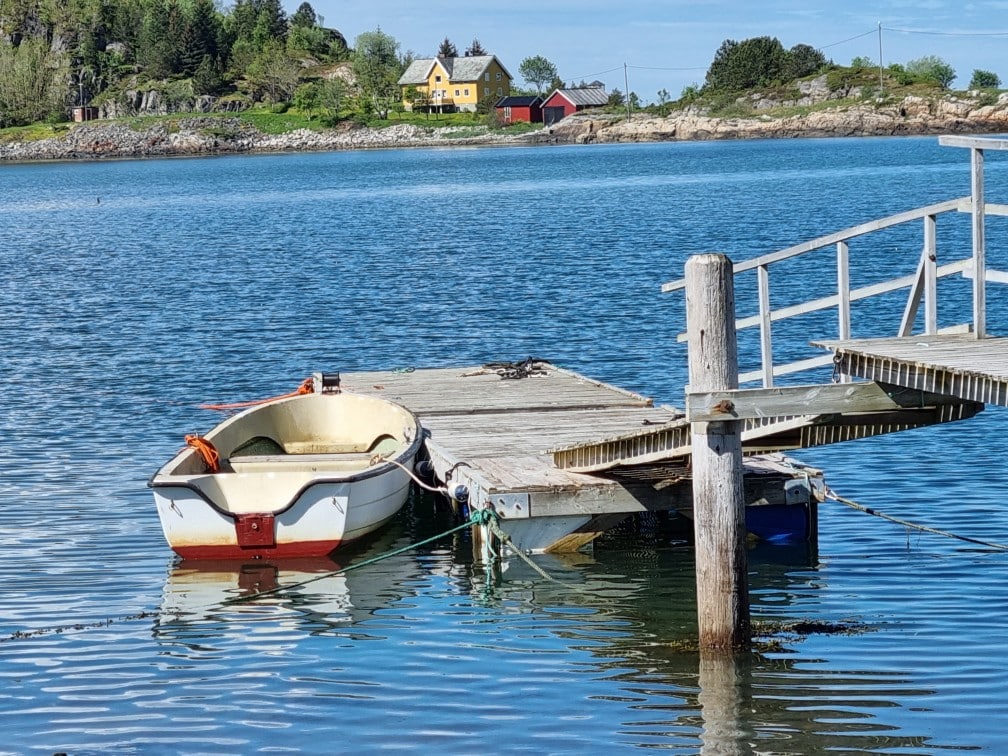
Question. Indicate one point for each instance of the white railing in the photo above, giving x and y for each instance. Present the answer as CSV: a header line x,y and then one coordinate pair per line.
x,y
922,283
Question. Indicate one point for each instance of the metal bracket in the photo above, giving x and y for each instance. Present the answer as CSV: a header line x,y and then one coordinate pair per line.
x,y
509,506
326,383
255,530
797,492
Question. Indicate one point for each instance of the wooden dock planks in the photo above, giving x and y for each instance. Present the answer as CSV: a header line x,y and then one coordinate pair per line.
x,y
497,435
957,365
501,430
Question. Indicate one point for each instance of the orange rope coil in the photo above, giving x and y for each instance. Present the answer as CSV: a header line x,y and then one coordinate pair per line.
x,y
206,450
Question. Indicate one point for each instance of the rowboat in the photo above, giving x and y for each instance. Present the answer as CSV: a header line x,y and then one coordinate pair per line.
x,y
294,477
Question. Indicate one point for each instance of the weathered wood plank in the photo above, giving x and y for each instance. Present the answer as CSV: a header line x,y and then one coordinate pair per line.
x,y
481,390
973,142
713,406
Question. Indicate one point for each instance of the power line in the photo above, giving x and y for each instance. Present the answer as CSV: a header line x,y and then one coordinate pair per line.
x,y
600,73
849,39
946,34
663,68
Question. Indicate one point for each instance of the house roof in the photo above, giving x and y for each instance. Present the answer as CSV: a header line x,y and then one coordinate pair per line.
x,y
469,68
583,97
517,101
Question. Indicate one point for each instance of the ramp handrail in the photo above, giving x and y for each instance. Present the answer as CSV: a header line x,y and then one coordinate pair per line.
x,y
922,283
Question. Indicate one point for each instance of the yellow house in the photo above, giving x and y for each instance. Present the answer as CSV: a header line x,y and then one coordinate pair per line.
x,y
444,85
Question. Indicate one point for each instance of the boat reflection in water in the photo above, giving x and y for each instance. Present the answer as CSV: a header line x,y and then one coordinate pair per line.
x,y
303,595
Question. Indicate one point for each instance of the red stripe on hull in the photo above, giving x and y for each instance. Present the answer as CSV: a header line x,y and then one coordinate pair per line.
x,y
279,551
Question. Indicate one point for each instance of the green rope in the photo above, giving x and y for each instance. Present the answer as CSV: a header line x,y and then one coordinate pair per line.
x,y
478,517
505,539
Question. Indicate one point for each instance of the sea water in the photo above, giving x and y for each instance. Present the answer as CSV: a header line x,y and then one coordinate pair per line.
x,y
134,291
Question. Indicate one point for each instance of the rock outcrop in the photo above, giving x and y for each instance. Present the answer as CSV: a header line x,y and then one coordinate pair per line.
x,y
214,135
911,115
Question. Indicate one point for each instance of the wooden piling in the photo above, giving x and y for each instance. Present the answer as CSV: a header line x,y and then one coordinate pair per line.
x,y
718,503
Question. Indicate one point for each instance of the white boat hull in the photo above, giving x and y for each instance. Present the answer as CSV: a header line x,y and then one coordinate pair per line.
x,y
289,505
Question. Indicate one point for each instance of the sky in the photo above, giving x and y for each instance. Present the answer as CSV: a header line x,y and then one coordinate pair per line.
x,y
646,46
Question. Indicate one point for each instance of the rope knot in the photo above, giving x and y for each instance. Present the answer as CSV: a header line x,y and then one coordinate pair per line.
x,y
483,516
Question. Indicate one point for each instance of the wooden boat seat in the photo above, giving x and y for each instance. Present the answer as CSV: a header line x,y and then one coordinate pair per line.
x,y
341,462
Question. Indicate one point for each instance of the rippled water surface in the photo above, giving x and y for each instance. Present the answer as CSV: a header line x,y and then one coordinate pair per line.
x,y
133,291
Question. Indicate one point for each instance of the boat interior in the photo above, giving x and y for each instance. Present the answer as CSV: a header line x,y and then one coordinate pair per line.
x,y
338,433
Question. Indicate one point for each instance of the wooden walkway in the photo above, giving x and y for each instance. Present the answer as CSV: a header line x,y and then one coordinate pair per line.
x,y
958,365
502,438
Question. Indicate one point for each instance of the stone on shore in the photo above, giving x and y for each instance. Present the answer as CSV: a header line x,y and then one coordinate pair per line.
x,y
204,135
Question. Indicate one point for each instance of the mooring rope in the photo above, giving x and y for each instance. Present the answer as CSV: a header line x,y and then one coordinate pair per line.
x,y
831,494
478,517
306,387
505,539
433,489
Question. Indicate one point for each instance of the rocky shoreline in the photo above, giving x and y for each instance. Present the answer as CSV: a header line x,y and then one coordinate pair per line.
x,y
209,135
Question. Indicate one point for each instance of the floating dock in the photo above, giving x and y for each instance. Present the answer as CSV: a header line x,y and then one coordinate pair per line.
x,y
561,457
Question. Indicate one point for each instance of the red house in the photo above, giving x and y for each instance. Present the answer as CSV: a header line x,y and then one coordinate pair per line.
x,y
564,102
514,109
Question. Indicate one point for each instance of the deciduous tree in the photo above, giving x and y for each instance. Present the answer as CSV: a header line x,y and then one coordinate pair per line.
x,y
376,66
308,98
274,73
537,71
984,80
933,68
742,65
32,83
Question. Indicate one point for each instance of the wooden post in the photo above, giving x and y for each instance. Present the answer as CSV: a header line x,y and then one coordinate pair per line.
x,y
930,274
843,295
979,244
766,324
718,504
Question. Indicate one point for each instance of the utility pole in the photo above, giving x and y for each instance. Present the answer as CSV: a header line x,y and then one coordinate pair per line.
x,y
626,86
881,86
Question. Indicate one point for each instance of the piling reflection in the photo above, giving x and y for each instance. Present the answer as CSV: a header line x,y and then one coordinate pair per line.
x,y
776,699
725,697
624,615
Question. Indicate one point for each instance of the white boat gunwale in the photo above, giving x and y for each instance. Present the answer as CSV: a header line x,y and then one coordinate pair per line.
x,y
162,479
371,472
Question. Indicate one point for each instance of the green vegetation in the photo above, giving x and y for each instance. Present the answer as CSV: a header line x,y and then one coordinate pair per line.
x,y
932,68
745,72
537,71
984,80
55,54
758,62
285,72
